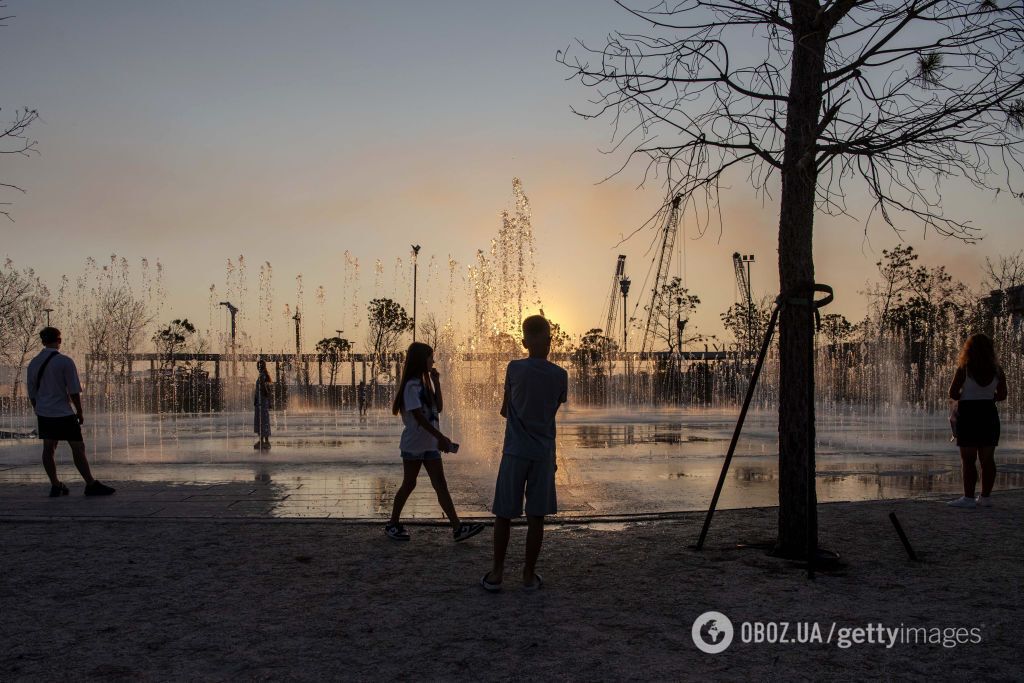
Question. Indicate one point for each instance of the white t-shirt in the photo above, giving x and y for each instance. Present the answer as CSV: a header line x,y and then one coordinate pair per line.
x,y
973,391
534,389
59,381
416,439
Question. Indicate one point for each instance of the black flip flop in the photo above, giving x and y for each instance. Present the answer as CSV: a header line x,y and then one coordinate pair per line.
x,y
489,586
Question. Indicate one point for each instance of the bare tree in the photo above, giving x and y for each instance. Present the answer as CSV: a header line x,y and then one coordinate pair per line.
x,y
101,334
903,95
1005,272
896,280
131,318
431,331
28,316
15,285
674,304
388,321
14,137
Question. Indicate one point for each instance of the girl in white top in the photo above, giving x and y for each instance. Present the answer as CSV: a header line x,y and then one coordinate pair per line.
x,y
977,384
420,402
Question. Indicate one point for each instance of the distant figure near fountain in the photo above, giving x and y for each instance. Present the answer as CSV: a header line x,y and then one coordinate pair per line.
x,y
361,398
978,383
261,407
53,388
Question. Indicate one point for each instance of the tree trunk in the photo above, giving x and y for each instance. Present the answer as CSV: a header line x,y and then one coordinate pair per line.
x,y
797,497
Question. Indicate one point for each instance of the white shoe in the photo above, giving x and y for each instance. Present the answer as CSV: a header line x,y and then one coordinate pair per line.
x,y
962,502
984,501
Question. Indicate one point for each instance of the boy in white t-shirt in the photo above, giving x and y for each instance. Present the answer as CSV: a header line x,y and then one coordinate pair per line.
x,y
534,390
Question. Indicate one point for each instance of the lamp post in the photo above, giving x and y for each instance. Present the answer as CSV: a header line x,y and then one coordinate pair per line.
x,y
415,274
47,311
298,347
233,310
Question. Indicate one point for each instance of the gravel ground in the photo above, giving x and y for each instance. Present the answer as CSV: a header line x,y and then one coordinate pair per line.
x,y
259,599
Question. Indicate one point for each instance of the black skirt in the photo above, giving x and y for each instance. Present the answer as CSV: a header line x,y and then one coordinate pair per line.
x,y
977,424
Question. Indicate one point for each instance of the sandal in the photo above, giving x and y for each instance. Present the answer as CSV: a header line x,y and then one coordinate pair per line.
x,y
536,585
396,532
489,586
466,531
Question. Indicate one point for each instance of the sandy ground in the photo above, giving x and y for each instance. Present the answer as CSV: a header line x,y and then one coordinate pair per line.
x,y
229,599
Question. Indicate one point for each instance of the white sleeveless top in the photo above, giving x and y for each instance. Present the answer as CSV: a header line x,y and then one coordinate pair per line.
x,y
973,391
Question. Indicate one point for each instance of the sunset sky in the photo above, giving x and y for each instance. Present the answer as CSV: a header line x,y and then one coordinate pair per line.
x,y
192,132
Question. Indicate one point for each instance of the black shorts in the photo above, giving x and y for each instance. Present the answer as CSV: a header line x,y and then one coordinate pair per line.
x,y
64,428
977,424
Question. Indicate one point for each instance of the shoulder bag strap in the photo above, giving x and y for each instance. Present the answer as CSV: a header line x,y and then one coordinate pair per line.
x,y
39,375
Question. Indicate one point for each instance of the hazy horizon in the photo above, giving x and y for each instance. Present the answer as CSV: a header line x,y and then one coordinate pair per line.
x,y
193,133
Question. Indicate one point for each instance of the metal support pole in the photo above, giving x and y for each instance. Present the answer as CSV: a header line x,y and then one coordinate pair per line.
x,y
415,274
739,426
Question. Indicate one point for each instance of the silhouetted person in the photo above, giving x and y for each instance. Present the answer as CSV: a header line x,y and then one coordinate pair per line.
x,y
534,390
361,398
977,384
261,407
420,402
56,396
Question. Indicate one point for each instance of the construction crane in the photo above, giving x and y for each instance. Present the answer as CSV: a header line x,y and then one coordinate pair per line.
x,y
743,290
668,245
613,298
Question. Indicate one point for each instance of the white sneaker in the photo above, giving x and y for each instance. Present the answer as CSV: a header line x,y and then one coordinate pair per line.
x,y
961,502
984,501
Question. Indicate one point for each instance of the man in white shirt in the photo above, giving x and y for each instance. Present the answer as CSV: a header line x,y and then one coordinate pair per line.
x,y
56,396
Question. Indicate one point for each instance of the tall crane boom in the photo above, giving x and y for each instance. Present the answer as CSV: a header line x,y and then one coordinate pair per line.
x,y
613,298
742,285
741,264
668,245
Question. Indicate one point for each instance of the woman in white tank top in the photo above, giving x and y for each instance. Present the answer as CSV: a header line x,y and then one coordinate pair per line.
x,y
977,384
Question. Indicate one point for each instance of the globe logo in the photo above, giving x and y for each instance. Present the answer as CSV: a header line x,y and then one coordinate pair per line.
x,y
712,632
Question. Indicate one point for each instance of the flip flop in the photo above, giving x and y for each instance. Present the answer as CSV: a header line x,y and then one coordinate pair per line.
x,y
489,586
538,583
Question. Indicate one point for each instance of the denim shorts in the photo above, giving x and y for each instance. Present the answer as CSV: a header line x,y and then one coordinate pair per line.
x,y
425,455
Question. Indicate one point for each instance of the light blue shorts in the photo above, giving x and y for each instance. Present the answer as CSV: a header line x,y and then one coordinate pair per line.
x,y
425,455
519,478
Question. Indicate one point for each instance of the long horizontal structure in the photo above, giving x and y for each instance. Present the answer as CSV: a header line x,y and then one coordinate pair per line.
x,y
368,357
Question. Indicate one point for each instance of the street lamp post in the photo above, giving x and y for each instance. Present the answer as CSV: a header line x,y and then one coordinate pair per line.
x,y
47,311
233,310
415,274
298,348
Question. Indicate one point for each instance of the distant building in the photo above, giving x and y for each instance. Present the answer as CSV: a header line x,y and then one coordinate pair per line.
x,y
1007,302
